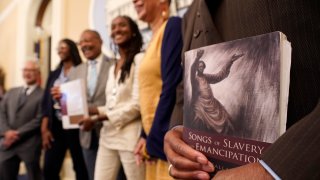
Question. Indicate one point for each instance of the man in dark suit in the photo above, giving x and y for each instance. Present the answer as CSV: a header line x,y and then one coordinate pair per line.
x,y
295,155
20,127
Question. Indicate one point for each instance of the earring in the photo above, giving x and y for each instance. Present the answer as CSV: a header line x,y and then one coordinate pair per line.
x,y
164,14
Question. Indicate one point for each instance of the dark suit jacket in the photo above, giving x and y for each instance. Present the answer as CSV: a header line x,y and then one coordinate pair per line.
x,y
209,22
98,98
25,119
295,155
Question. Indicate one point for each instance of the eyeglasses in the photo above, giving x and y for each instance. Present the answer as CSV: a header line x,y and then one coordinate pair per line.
x,y
29,70
62,47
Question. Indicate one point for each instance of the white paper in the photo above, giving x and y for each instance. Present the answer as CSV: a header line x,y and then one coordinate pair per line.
x,y
73,103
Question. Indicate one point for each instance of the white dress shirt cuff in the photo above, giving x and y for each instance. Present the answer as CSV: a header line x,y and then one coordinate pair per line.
x,y
270,171
102,110
177,126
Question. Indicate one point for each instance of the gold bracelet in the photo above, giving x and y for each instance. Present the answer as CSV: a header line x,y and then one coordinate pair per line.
x,y
145,154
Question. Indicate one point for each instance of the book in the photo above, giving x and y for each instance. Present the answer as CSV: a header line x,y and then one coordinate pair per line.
x,y
73,103
236,97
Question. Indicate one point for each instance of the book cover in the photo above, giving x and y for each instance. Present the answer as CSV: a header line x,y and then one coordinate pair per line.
x,y
73,103
235,98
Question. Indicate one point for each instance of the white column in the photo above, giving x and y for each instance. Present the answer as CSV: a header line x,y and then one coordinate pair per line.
x,y
57,29
21,51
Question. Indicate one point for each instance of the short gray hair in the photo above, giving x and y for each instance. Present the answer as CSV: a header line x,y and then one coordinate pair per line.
x,y
34,62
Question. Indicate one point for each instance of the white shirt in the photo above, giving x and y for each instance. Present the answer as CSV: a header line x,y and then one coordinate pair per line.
x,y
99,60
31,88
270,171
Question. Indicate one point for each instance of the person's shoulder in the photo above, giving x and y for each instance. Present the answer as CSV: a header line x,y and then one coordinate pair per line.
x,y
173,27
40,92
40,89
79,67
172,32
174,21
138,57
108,59
76,71
56,71
14,90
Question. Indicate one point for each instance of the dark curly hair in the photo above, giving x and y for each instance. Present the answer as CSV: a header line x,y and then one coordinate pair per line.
x,y
74,52
133,47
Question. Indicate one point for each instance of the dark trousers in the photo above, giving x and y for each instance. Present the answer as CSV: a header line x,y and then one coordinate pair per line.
x,y
9,169
90,156
63,140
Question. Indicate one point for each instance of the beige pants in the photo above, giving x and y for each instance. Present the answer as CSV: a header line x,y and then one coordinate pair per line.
x,y
108,164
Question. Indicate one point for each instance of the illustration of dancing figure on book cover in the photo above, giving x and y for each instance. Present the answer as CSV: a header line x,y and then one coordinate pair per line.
x,y
231,98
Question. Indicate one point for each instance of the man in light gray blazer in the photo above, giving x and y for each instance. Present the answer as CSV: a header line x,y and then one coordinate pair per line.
x,y
95,74
20,138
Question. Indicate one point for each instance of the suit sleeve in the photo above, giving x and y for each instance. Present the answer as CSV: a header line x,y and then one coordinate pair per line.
x,y
171,74
295,155
177,114
4,126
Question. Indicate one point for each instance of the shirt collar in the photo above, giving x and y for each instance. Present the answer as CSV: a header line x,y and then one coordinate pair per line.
x,y
31,88
97,59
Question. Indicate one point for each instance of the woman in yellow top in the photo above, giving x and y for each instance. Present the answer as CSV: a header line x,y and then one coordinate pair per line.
x,y
159,74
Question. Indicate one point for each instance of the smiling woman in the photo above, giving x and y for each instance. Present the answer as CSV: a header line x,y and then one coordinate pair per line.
x,y
126,35
120,31
55,139
121,113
